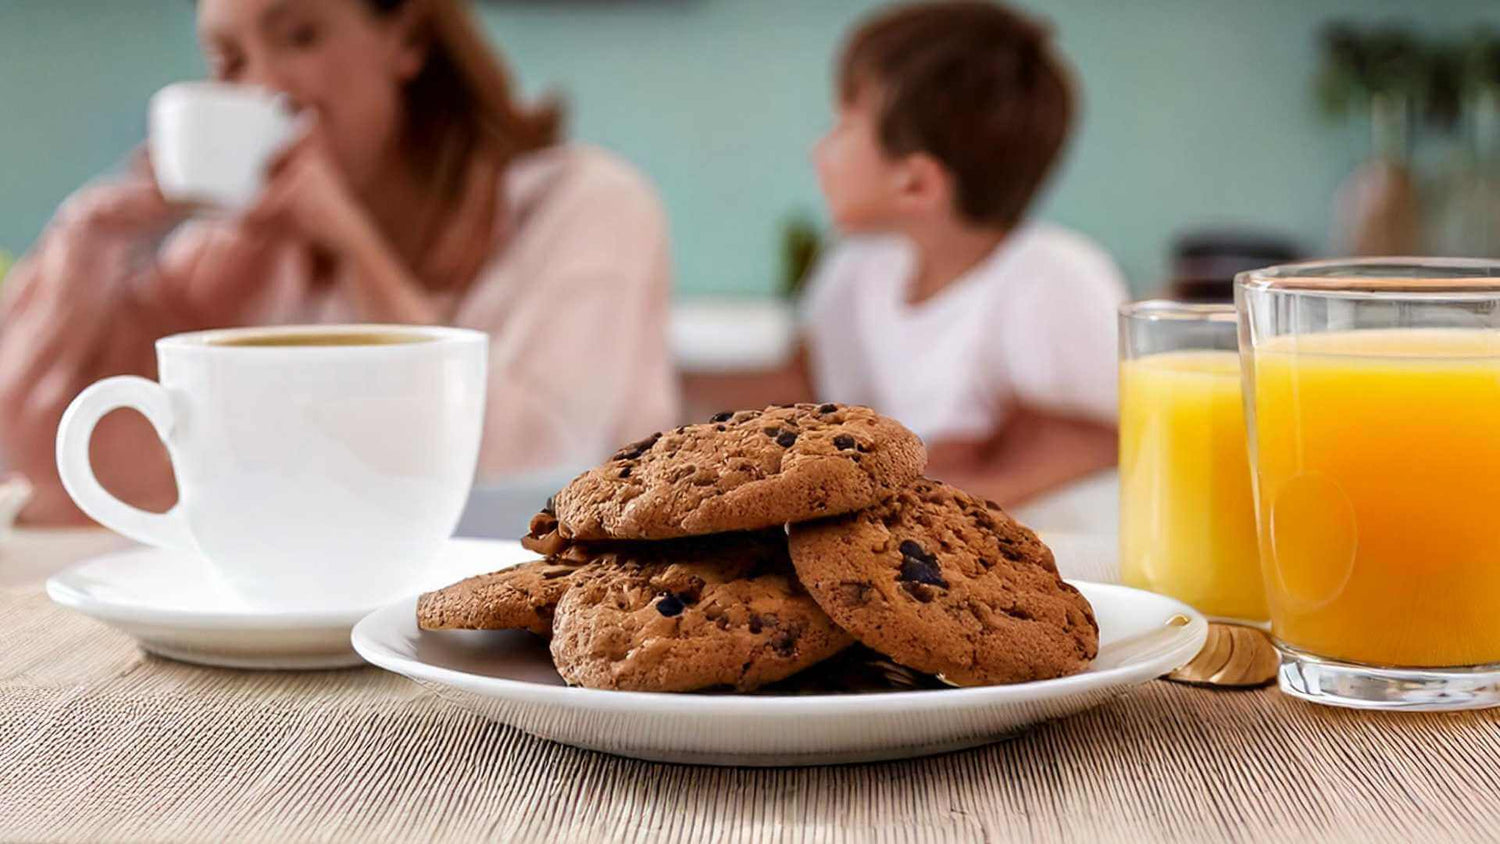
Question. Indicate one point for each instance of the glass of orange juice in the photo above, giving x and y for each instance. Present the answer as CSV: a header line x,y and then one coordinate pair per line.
x,y
1374,396
1187,517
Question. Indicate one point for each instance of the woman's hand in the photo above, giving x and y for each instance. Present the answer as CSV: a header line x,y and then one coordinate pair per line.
x,y
131,206
306,195
72,314
102,240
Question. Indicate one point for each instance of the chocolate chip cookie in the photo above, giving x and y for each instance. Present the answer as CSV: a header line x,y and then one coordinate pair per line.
x,y
858,670
946,583
743,471
544,537
522,597
691,614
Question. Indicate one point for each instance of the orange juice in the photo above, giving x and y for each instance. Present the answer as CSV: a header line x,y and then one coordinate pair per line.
x,y
1378,461
1187,517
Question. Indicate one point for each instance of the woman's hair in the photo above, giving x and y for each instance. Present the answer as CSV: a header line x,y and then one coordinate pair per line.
x,y
462,101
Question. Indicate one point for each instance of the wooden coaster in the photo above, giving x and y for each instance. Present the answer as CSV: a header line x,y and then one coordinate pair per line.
x,y
1233,657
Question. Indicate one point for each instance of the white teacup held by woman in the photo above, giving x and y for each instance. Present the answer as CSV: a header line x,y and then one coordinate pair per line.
x,y
211,144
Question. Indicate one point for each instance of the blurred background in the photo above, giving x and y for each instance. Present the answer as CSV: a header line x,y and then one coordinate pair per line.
x,y
1214,136
1200,115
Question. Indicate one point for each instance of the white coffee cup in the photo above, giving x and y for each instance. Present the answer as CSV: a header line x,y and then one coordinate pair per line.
x,y
211,143
308,476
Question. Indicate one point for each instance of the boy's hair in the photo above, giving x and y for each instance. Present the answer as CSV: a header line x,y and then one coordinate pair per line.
x,y
973,84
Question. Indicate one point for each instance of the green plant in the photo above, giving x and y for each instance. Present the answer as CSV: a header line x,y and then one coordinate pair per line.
x,y
6,261
1480,63
1365,70
801,241
1361,66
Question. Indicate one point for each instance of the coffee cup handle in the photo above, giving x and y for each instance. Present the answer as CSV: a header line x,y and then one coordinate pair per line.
x,y
163,530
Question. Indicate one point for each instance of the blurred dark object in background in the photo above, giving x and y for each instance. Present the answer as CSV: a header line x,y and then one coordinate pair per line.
x,y
801,243
1386,76
1204,263
1463,214
1429,183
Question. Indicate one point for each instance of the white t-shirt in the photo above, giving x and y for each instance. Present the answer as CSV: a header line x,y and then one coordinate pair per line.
x,y
1032,324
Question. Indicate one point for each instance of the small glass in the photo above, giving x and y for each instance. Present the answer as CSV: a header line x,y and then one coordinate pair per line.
x,y
1373,390
1187,515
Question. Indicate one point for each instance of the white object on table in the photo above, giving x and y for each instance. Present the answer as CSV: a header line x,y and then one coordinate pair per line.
x,y
725,334
310,474
175,606
15,491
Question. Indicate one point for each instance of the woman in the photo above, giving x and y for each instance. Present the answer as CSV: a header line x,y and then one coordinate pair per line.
x,y
422,193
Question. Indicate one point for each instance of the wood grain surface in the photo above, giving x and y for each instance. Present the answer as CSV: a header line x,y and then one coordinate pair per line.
x,y
99,742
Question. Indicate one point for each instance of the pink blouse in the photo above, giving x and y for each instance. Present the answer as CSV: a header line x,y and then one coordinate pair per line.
x,y
574,294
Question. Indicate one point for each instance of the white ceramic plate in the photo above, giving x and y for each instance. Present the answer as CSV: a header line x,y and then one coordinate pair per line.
x,y
508,676
173,605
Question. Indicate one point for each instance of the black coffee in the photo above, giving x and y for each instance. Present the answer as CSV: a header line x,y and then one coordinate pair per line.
x,y
330,338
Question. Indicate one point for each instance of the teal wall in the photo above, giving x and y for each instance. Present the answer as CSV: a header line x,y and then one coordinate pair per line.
x,y
1196,111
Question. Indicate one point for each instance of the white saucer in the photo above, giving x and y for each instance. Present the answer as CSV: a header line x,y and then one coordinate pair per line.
x,y
173,605
508,676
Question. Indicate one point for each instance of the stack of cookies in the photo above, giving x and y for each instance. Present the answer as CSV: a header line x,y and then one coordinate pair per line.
x,y
742,551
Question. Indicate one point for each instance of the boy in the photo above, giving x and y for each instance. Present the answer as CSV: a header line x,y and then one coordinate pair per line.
x,y
990,336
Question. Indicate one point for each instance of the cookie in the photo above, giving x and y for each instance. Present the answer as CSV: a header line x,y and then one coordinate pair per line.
x,y
743,471
691,614
948,584
522,597
858,670
544,537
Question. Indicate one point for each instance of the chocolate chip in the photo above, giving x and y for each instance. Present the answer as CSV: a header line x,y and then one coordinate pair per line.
x,y
990,504
918,566
720,428
549,507
844,442
921,571
910,548
636,449
625,472
771,430
920,591
670,605
786,438
855,593
722,416
827,408
783,643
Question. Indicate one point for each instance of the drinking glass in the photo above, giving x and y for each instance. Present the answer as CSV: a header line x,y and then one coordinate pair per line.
x,y
1187,518
1373,393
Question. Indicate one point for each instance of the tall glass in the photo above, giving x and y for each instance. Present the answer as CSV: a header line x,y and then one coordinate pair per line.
x,y
1374,397
1187,518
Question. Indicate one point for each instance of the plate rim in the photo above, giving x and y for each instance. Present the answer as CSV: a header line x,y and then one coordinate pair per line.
x,y
63,593
1122,677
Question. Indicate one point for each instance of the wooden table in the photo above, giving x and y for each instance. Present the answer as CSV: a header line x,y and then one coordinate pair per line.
x,y
101,742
